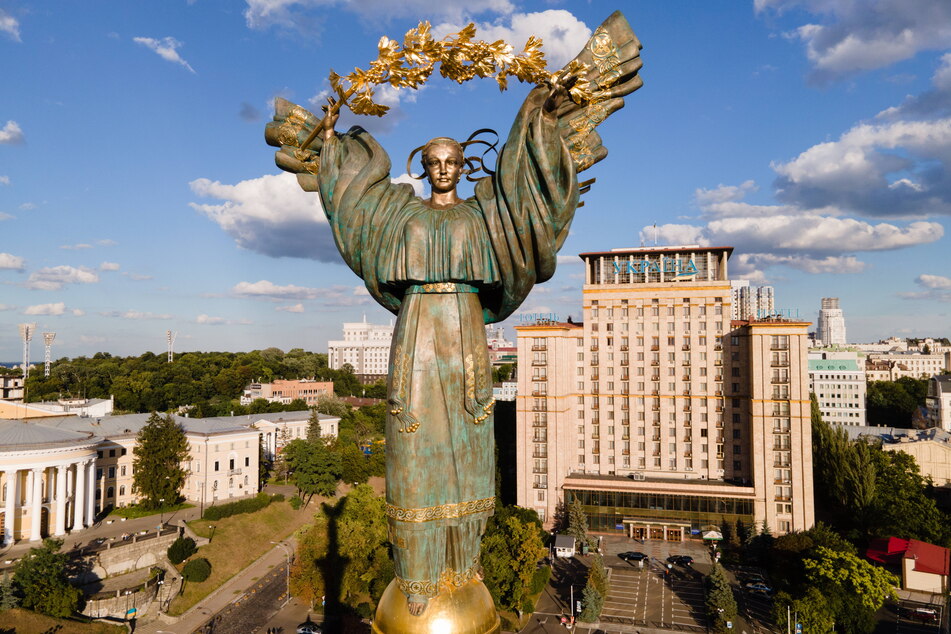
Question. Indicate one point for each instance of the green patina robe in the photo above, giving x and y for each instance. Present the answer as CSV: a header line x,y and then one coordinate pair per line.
x,y
494,248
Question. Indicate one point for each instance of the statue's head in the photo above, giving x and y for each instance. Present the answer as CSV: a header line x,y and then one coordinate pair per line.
x,y
444,163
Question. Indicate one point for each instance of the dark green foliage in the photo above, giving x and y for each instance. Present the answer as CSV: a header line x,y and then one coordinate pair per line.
x,y
247,505
181,549
210,382
540,579
40,581
578,523
197,570
591,604
295,503
894,403
721,606
316,470
8,596
511,548
277,497
867,491
157,472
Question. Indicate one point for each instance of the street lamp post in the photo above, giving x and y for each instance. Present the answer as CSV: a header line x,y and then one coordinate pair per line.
x,y
161,513
287,553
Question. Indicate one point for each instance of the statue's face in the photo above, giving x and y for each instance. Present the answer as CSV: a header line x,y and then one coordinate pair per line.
x,y
444,165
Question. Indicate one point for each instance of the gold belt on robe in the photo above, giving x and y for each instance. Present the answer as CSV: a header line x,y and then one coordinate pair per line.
x,y
442,287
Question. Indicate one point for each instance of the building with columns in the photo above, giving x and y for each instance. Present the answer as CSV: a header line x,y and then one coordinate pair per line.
x,y
659,413
48,480
58,474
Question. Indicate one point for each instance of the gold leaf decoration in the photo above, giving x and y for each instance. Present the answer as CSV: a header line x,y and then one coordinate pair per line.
x,y
460,58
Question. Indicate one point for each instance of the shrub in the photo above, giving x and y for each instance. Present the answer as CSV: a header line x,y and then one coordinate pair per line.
x,y
181,549
196,570
540,579
295,503
247,505
277,497
365,610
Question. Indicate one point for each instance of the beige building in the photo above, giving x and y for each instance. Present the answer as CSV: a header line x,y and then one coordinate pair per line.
x,y
660,414
66,470
931,448
287,390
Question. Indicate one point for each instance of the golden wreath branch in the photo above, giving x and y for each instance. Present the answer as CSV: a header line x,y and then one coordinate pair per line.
x,y
460,58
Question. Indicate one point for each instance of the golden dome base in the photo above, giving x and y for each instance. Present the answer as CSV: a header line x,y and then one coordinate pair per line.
x,y
465,610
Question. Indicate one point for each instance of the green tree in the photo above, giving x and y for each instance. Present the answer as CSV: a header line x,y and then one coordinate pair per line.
x,y
315,470
511,548
721,606
197,570
41,583
354,466
578,523
844,575
362,537
8,595
812,610
157,472
592,602
181,549
313,426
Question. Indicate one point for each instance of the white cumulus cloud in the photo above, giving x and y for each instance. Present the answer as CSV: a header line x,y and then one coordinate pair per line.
x,y
271,215
55,277
269,290
166,48
46,309
295,308
11,262
936,287
133,315
11,134
10,26
4,180
109,266
852,36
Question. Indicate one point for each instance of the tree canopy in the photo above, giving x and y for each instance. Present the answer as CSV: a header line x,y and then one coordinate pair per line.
x,y
157,471
511,548
40,581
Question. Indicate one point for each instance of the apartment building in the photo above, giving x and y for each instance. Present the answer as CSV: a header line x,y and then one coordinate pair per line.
x,y
838,381
660,413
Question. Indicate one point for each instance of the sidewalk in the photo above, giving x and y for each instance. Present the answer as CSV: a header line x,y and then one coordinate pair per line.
x,y
108,528
232,590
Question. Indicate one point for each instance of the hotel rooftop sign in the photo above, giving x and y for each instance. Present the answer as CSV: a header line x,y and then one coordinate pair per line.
x,y
657,265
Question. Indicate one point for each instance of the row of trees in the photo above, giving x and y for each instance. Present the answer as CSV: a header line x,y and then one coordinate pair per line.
x,y
867,491
208,381
895,403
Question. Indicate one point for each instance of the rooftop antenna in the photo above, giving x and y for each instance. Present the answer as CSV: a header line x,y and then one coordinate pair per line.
x,y
170,336
48,338
26,334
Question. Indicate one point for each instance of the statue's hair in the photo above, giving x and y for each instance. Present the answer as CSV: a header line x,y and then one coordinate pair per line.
x,y
473,164
442,140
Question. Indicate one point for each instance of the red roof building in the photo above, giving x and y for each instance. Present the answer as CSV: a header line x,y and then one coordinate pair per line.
x,y
923,566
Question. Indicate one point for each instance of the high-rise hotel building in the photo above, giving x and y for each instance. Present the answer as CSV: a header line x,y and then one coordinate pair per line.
x,y
663,416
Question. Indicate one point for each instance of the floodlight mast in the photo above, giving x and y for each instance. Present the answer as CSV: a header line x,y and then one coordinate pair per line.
x,y
170,336
48,338
26,334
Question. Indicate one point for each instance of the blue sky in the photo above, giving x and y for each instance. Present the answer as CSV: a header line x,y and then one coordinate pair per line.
x,y
137,194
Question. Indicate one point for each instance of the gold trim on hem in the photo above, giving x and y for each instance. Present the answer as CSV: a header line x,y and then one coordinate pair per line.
x,y
443,511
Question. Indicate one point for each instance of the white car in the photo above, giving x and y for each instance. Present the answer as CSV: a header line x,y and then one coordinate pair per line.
x,y
309,628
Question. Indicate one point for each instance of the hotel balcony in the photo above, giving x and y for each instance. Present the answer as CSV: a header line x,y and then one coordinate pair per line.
x,y
540,348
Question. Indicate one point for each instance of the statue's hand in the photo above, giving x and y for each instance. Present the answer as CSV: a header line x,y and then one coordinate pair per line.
x,y
331,114
557,93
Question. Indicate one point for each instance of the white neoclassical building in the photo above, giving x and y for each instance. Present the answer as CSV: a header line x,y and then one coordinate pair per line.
x,y
58,473
48,480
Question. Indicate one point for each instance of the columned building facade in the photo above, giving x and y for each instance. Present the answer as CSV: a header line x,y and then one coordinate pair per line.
x,y
662,415
47,481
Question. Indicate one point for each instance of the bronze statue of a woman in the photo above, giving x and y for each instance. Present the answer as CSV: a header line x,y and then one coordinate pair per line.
x,y
447,267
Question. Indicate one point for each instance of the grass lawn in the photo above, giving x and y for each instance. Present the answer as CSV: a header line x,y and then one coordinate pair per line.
x,y
19,620
236,542
133,512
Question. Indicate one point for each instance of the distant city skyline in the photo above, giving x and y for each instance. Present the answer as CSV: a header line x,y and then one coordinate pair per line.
x,y
137,194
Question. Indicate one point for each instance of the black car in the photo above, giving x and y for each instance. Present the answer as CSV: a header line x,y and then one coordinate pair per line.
x,y
680,560
632,555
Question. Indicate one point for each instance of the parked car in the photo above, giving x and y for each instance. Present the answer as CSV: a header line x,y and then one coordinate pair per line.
x,y
309,628
758,587
680,560
633,555
921,614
